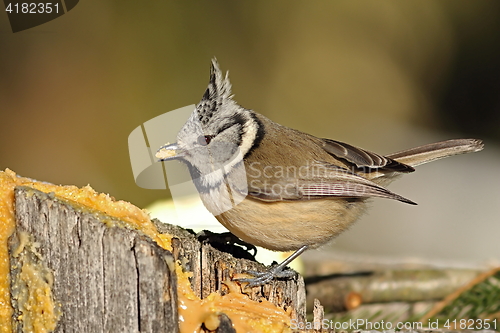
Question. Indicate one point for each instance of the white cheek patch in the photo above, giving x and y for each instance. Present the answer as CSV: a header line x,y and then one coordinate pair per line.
x,y
249,135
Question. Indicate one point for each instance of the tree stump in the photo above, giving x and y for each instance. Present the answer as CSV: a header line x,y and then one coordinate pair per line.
x,y
93,273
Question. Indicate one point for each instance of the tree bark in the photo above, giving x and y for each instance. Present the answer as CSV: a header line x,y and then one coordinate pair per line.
x,y
96,274
103,276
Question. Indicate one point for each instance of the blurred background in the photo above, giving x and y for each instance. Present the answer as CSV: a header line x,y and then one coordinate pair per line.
x,y
382,75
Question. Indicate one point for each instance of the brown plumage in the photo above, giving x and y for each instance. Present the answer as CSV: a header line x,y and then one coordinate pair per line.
x,y
314,192
280,188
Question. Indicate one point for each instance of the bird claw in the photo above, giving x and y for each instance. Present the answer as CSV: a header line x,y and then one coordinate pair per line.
x,y
261,278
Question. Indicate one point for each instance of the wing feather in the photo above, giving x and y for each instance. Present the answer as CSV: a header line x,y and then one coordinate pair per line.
x,y
363,158
322,180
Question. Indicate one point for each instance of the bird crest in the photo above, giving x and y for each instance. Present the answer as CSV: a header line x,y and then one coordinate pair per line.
x,y
217,94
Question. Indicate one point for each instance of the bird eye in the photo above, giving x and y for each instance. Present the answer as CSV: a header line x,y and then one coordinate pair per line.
x,y
204,140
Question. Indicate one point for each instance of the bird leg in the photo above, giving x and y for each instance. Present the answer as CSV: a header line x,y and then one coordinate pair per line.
x,y
274,272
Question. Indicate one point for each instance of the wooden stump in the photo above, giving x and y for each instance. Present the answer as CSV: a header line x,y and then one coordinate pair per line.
x,y
104,277
93,273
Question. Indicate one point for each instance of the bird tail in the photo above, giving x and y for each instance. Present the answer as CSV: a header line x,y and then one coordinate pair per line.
x,y
435,151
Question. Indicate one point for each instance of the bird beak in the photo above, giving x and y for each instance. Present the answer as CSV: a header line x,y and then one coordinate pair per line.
x,y
169,151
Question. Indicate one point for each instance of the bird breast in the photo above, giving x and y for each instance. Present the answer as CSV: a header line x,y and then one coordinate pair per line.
x,y
288,225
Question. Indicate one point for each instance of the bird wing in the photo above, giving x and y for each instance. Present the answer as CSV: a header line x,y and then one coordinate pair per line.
x,y
363,159
319,180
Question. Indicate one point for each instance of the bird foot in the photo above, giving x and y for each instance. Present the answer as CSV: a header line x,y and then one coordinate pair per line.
x,y
260,278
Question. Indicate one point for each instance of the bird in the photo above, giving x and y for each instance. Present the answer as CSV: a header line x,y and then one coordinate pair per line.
x,y
279,188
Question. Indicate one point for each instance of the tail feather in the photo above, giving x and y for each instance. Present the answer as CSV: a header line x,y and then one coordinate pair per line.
x,y
435,151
